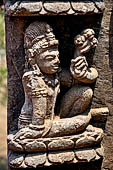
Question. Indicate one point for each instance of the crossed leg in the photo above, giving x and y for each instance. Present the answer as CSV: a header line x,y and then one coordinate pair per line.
x,y
75,101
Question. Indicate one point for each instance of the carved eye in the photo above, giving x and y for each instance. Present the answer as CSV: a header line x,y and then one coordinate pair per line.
x,y
79,41
50,57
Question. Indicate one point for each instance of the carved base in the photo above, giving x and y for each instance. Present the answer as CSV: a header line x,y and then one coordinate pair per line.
x,y
92,136
58,150
38,159
83,146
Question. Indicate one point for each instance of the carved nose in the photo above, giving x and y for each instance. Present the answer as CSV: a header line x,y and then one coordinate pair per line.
x,y
57,61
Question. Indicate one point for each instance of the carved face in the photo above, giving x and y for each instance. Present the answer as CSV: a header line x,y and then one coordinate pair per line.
x,y
48,61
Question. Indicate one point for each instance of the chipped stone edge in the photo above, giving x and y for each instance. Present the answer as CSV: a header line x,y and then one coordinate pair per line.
x,y
50,163
20,146
16,10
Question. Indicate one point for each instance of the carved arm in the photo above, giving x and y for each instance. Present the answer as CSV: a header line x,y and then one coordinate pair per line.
x,y
35,88
79,66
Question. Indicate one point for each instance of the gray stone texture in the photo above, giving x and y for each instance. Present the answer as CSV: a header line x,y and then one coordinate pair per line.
x,y
53,8
15,159
91,137
85,155
35,146
61,144
61,157
65,29
34,160
51,158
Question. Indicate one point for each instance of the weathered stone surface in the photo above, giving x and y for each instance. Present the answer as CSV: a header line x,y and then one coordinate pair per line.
x,y
85,141
10,136
87,7
108,152
61,157
85,155
78,93
102,63
23,8
83,7
89,140
100,5
91,137
35,146
42,85
14,146
100,151
57,7
68,126
61,144
27,8
60,127
15,159
23,165
71,12
36,159
100,114
95,133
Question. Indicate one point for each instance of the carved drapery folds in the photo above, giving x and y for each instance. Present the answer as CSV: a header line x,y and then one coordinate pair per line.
x,y
67,136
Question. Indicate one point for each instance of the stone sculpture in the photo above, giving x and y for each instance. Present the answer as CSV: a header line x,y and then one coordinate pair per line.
x,y
39,129
37,8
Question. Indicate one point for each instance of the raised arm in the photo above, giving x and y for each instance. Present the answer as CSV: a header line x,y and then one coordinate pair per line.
x,y
79,67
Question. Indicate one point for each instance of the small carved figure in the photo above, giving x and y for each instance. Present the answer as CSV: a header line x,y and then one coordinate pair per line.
x,y
79,66
80,71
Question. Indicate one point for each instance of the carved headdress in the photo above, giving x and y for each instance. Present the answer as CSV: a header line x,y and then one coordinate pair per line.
x,y
38,38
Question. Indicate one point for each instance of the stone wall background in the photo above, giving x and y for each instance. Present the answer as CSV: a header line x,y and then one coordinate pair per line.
x,y
103,60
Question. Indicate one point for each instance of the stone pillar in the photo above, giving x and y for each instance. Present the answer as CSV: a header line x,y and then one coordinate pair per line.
x,y
68,19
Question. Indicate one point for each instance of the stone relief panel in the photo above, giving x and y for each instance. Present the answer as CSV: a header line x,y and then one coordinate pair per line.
x,y
51,7
44,138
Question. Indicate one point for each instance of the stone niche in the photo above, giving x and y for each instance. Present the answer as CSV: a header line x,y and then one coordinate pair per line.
x,y
59,84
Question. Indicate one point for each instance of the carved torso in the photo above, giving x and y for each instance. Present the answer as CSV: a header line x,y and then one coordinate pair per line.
x,y
36,85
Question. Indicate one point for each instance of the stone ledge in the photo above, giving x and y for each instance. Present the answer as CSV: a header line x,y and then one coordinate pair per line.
x,y
34,160
91,137
51,8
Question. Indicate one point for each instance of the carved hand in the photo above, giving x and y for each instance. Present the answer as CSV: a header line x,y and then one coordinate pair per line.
x,y
85,46
79,66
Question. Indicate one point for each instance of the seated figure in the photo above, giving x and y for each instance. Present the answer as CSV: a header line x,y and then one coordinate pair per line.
x,y
41,82
43,138
52,132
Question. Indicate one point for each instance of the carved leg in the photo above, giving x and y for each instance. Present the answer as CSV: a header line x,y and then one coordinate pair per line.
x,y
76,101
35,129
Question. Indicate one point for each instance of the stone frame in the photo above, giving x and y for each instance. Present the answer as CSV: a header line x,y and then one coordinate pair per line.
x,y
12,55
